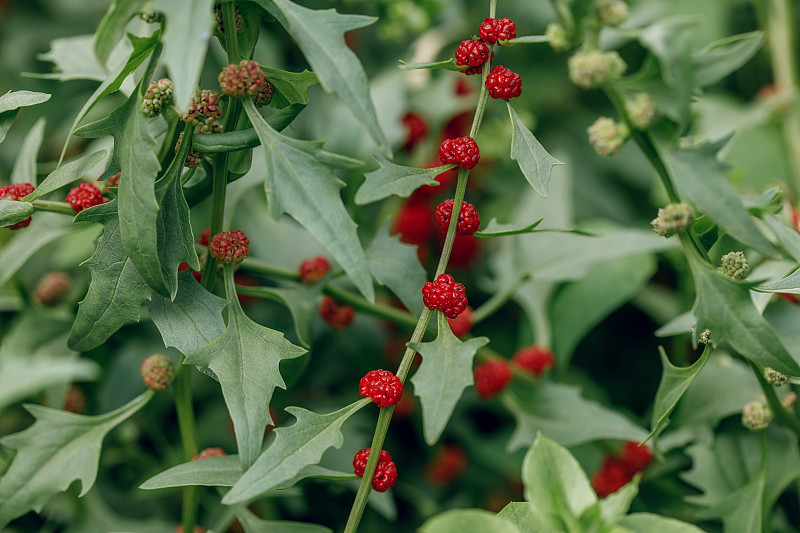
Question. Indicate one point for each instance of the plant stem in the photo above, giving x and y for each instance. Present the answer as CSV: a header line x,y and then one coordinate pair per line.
x,y
499,298
229,25
185,411
54,207
781,413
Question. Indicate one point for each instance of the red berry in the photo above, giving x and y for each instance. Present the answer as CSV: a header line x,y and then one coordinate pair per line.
x,y
416,130
13,193
209,452
338,316
788,296
229,246
503,83
205,236
463,151
492,377
382,387
462,324
612,476
472,53
472,71
449,463
468,218
84,196
534,359
157,371
414,222
313,270
493,30
385,473
636,458
445,295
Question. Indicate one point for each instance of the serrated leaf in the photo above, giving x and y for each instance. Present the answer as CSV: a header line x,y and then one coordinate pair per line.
x,y
555,484
291,88
192,319
393,179
533,160
66,174
59,448
44,228
395,265
320,35
253,524
294,448
301,302
231,141
724,56
700,180
724,306
445,372
674,382
447,64
524,516
74,59
210,472
647,523
186,36
21,377
563,415
25,164
10,103
115,293
299,182
245,359
112,26
467,521
12,211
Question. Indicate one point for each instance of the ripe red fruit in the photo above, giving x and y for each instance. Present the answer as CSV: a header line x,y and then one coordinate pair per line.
x,y
492,377
462,324
472,53
338,316
534,359
416,130
448,464
205,237
503,83
313,270
493,30
382,387
209,452
415,222
229,246
468,219
385,473
636,458
463,151
612,476
84,196
13,193
445,295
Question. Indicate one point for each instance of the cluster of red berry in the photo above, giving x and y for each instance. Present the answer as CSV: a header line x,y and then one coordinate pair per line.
x,y
618,471
493,376
385,473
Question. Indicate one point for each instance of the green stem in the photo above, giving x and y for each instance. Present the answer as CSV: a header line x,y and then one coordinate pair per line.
x,y
268,269
186,424
499,299
229,24
53,207
781,413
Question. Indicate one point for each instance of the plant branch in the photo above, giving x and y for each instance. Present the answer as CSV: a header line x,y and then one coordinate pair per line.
x,y
781,413
53,207
186,424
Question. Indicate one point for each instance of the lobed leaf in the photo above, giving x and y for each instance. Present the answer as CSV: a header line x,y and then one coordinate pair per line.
x,y
21,377
210,472
445,372
524,516
533,160
724,57
395,265
447,64
10,103
393,179
301,302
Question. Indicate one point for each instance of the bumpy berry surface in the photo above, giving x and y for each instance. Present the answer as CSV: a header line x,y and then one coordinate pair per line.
x,y
246,78
382,387
157,371
472,53
468,219
612,476
472,71
503,83
445,295
534,359
493,30
229,246
204,112
313,270
159,94
209,452
385,473
338,316
52,288
462,324
264,96
416,129
492,377
13,193
193,157
84,196
463,151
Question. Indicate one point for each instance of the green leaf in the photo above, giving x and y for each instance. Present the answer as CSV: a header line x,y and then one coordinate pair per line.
x,y
253,524
445,372
701,181
496,229
527,39
724,306
44,228
467,521
533,160
112,27
295,447
583,304
320,36
188,25
66,174
787,236
555,484
647,523
232,141
301,183
562,414
74,59
725,56
447,64
741,511
190,321
290,88
210,472
21,377
301,300
245,359
59,448
10,103
614,506
395,265
524,516
25,165
115,293
49,324
392,179
12,211
674,382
